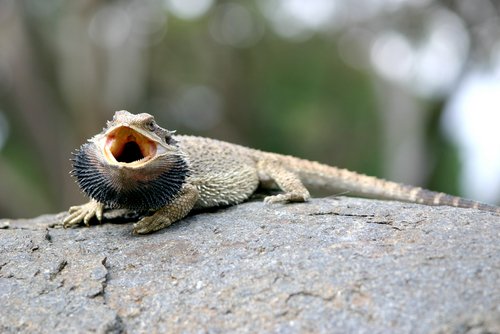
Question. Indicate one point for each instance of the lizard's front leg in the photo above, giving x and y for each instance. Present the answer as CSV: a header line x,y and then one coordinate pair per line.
x,y
170,213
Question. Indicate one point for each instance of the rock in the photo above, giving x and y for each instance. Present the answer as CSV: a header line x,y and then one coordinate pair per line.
x,y
342,265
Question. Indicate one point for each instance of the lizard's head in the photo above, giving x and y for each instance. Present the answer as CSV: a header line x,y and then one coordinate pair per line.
x,y
131,141
133,163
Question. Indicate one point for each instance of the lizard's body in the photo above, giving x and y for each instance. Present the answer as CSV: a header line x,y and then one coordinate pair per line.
x,y
172,177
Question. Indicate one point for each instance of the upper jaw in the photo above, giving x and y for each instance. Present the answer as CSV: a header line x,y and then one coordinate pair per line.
x,y
127,145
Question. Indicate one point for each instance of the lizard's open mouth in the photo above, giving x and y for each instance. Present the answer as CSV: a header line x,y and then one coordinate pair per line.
x,y
128,146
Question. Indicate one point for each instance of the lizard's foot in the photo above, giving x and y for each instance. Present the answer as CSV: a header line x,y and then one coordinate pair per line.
x,y
170,213
84,213
151,223
287,197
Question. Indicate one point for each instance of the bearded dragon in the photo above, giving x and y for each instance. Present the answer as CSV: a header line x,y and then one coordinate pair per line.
x,y
137,165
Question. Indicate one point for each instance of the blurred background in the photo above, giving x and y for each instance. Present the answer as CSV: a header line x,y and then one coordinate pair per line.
x,y
407,90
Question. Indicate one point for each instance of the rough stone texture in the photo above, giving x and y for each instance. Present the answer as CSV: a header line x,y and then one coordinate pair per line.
x,y
328,266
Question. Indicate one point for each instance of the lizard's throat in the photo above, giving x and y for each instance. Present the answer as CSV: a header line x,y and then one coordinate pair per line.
x,y
138,185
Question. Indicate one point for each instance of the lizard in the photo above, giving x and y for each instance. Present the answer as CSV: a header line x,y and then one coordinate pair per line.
x,y
136,165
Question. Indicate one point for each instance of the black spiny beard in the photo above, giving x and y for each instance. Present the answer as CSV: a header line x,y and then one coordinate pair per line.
x,y
105,184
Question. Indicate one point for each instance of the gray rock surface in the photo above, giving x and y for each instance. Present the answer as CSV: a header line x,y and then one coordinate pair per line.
x,y
340,265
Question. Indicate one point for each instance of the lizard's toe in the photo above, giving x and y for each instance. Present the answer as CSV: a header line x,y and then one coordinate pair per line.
x,y
74,209
87,217
287,197
74,218
281,198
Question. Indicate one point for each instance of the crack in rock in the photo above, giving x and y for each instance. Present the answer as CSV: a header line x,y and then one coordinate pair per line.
x,y
53,272
385,222
341,214
48,236
304,293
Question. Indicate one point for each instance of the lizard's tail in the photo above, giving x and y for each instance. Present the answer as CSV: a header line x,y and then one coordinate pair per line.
x,y
314,174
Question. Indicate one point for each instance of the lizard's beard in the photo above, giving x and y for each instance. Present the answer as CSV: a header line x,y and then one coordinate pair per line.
x,y
149,187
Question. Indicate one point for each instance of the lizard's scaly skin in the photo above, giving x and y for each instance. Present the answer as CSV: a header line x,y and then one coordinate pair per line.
x,y
137,165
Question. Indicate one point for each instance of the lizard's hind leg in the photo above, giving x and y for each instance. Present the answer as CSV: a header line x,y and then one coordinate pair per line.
x,y
289,182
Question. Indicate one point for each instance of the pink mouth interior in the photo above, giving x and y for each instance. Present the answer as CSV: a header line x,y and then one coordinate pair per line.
x,y
127,145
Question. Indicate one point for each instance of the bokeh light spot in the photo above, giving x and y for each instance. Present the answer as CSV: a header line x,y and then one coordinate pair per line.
x,y
392,56
198,107
471,120
235,25
110,27
188,9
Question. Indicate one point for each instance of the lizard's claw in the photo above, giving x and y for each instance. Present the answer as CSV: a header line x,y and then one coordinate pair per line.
x,y
84,213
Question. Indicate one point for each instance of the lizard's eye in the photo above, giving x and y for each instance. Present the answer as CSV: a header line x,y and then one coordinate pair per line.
x,y
151,125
